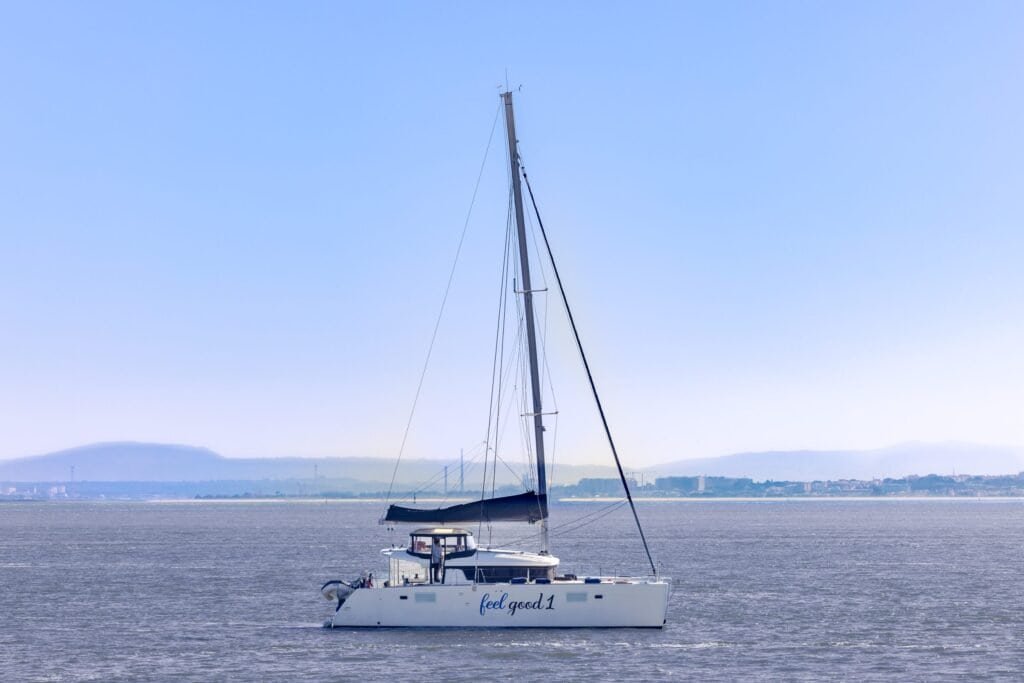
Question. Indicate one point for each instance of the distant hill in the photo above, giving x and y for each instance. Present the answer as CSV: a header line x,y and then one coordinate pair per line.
x,y
894,461
133,461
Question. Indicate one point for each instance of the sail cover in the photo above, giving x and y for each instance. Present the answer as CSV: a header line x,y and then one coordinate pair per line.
x,y
522,507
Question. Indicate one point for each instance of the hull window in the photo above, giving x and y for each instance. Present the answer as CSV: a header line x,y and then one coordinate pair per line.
x,y
497,574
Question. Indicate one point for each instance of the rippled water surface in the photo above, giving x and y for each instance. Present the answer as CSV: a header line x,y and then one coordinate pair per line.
x,y
897,590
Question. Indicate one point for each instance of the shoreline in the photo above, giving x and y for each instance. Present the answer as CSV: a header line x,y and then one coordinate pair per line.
x,y
592,500
559,501
790,499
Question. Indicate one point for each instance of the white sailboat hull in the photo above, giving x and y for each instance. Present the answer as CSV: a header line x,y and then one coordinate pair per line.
x,y
562,604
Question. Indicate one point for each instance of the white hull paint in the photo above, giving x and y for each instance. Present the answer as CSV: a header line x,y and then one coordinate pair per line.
x,y
634,603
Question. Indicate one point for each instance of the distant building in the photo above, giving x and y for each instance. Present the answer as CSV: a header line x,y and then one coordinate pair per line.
x,y
602,487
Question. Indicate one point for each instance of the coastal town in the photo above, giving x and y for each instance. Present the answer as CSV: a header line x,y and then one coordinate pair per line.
x,y
741,487
688,487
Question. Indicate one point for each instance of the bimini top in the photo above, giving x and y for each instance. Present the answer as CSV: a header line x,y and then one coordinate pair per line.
x,y
523,507
436,531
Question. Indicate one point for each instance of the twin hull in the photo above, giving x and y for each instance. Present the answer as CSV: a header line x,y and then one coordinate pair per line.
x,y
557,605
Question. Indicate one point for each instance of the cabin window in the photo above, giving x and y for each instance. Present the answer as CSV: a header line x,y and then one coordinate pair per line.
x,y
575,597
426,597
451,544
499,574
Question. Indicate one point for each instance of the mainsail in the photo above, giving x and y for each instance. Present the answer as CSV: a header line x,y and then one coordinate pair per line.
x,y
522,507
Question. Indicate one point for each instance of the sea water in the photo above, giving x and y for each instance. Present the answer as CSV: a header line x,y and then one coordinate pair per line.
x,y
775,590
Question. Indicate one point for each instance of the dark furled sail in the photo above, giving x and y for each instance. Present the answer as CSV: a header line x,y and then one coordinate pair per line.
x,y
522,507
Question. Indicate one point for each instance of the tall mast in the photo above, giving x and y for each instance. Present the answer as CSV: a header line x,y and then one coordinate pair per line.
x,y
531,331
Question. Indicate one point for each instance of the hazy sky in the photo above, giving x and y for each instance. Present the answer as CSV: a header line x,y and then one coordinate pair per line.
x,y
783,225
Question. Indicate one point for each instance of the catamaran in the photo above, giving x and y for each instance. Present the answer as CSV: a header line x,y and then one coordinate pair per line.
x,y
444,578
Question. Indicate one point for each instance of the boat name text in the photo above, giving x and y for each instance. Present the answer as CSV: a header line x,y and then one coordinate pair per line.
x,y
512,606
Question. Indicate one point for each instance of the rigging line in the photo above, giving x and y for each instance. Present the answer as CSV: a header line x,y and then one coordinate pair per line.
x,y
504,427
501,332
429,488
503,327
600,512
495,372
546,376
590,376
439,475
500,350
545,373
546,370
497,457
518,476
573,524
515,363
536,248
550,384
543,277
526,407
554,448
501,422
507,403
527,414
444,300
569,528
550,390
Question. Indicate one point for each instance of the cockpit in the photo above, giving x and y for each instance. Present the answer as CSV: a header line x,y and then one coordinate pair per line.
x,y
448,555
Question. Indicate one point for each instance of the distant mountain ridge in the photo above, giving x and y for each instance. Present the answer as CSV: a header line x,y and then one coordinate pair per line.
x,y
138,461
135,461
901,460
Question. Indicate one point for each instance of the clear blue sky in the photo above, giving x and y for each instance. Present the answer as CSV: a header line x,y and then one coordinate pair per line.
x,y
785,225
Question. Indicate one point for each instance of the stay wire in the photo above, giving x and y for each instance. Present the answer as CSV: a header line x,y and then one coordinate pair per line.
x,y
496,370
425,485
590,376
572,525
444,301
546,374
